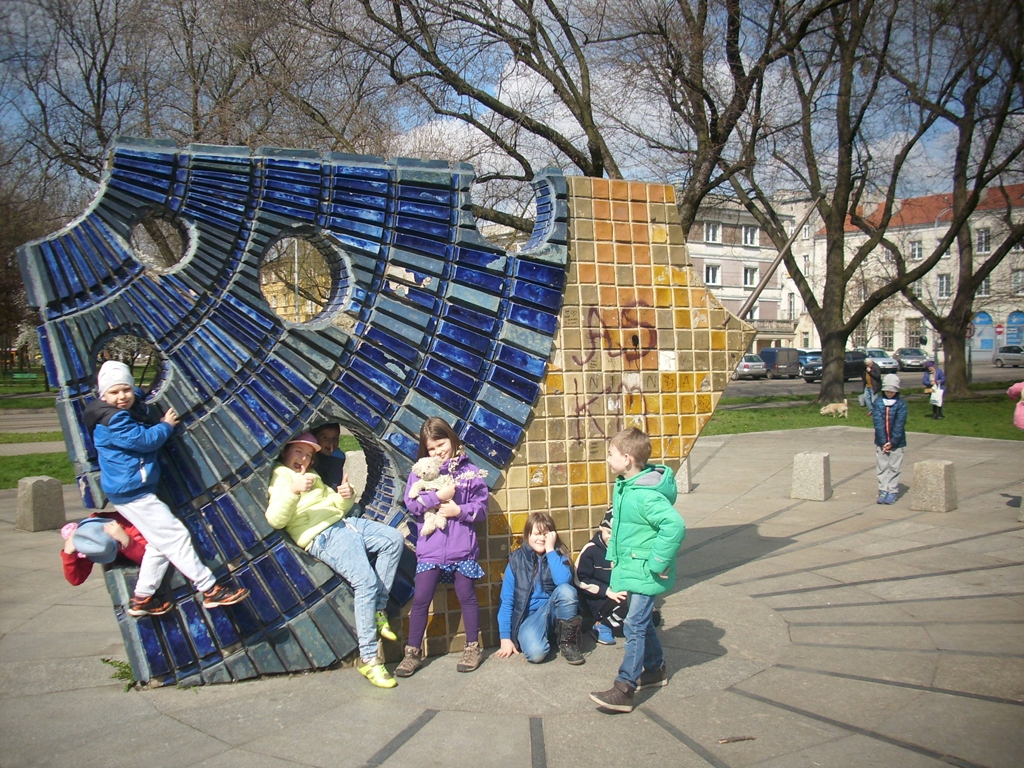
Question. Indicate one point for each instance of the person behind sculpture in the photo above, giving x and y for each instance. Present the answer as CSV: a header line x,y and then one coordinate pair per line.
x,y
538,596
593,579
447,553
127,436
872,383
934,381
315,517
644,543
329,461
890,420
99,539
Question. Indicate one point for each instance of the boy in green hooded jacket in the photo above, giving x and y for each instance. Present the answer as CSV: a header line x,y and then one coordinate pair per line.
x,y
646,535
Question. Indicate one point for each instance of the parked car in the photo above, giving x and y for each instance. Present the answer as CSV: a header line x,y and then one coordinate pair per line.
x,y
781,361
1011,355
885,363
853,367
750,367
808,355
910,359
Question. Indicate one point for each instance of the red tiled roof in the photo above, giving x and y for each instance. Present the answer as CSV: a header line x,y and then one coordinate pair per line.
x,y
917,211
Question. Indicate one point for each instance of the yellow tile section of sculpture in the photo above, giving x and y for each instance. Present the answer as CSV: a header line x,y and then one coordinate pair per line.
x,y
642,343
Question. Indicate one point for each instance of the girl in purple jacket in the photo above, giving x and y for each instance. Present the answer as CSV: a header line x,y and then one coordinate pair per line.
x,y
448,554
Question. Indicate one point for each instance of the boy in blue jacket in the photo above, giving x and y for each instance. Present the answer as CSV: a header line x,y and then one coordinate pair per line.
x,y
127,437
890,417
646,535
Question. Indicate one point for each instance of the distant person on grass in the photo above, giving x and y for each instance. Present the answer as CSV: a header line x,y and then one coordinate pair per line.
x,y
127,436
890,419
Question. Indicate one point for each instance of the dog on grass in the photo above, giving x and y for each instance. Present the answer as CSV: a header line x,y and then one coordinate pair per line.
x,y
836,409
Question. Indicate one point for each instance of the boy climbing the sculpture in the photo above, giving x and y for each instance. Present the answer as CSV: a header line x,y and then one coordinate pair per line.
x,y
127,437
646,535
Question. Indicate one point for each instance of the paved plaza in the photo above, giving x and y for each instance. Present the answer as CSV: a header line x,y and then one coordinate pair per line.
x,y
801,633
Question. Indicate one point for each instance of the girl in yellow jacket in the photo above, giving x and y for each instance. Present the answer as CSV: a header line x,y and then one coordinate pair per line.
x,y
315,517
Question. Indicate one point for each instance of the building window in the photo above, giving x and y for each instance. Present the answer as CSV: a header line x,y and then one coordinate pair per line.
x,y
712,232
791,305
915,330
1017,277
711,273
985,288
1018,246
807,340
984,240
860,336
806,233
751,313
750,277
945,286
886,332
807,266
751,235
916,250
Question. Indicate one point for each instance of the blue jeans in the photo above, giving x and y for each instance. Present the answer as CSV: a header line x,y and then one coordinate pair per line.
x,y
536,627
643,648
344,547
869,398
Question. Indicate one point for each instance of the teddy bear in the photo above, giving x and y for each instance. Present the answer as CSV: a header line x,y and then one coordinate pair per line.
x,y
428,469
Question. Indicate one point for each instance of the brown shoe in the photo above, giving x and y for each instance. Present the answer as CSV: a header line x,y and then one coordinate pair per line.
x,y
472,655
413,660
618,698
655,678
148,606
220,595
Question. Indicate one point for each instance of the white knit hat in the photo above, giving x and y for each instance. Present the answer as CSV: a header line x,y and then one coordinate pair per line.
x,y
890,383
112,373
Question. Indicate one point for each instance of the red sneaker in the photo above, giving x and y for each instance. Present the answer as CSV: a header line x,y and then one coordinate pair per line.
x,y
220,595
148,606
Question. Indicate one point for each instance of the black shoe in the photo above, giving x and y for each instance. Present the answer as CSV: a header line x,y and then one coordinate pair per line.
x,y
148,606
655,678
569,640
618,698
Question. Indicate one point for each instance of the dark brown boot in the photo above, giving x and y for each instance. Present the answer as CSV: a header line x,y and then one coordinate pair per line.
x,y
569,640
618,698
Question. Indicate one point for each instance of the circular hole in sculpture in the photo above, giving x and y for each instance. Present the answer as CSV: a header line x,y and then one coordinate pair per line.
x,y
145,361
296,278
158,243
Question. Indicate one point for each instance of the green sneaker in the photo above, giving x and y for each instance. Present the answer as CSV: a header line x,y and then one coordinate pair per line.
x,y
383,628
375,672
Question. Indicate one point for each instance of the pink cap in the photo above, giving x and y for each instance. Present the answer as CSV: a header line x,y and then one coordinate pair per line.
x,y
308,439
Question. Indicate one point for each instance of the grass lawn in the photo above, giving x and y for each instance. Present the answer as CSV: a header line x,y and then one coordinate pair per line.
x,y
989,417
13,468
8,438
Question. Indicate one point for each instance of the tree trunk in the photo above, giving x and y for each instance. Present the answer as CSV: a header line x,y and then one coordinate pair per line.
x,y
955,364
833,356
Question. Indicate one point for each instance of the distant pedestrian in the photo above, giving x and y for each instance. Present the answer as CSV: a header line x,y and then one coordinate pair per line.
x,y
934,381
890,418
872,383
1016,392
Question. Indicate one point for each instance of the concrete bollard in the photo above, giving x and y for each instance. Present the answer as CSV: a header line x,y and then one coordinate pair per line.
x,y
40,504
934,486
683,484
812,477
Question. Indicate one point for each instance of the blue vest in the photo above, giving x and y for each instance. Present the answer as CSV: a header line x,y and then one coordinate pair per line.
x,y
524,570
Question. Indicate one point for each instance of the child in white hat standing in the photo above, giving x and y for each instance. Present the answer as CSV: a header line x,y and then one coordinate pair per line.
x,y
890,417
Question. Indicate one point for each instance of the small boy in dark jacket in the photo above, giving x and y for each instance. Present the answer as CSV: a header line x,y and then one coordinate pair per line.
x,y
890,419
127,437
593,577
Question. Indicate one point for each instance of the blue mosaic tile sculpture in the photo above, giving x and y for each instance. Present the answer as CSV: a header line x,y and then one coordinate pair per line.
x,y
425,317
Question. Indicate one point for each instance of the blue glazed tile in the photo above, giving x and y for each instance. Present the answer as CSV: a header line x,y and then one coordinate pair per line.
x,y
177,643
459,335
532,341
293,571
440,370
422,245
492,261
221,627
238,525
266,611
494,451
471,318
398,348
518,360
478,279
535,294
516,410
154,650
533,318
265,659
501,428
437,391
214,521
457,356
282,594
353,406
197,629
513,384
382,405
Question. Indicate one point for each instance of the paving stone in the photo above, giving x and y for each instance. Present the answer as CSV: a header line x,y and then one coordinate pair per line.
x,y
854,751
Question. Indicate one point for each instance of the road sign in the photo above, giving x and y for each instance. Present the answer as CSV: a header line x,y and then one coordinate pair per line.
x,y
999,329
970,330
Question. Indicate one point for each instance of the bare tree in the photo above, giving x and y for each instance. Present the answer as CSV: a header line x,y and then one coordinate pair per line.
x,y
849,144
